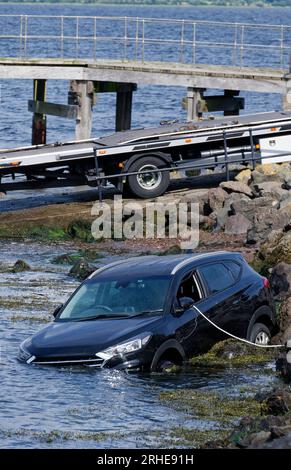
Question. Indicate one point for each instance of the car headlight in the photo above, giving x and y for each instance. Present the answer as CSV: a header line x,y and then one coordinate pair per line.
x,y
23,354
124,348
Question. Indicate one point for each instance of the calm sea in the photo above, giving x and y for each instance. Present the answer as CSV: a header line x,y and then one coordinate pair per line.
x,y
151,103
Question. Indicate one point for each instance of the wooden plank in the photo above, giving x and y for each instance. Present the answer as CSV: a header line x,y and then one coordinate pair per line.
x,y
53,109
39,119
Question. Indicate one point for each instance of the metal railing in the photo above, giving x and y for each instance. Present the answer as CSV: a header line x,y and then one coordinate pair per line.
x,y
93,38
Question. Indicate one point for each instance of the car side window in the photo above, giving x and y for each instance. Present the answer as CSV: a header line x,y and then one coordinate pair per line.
x,y
234,268
217,276
189,288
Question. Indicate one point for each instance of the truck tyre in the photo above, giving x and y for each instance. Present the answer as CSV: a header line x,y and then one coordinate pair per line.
x,y
149,184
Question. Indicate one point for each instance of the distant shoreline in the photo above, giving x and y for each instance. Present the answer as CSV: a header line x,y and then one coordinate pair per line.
x,y
255,4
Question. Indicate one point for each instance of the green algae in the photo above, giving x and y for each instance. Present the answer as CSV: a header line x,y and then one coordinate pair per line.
x,y
71,258
211,406
57,435
232,353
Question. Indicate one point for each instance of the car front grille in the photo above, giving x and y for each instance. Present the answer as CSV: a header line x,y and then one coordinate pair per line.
x,y
92,361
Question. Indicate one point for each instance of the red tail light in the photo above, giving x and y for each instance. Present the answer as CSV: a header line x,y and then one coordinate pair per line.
x,y
266,282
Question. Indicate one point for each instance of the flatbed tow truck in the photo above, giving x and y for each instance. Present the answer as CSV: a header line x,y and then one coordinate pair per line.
x,y
140,161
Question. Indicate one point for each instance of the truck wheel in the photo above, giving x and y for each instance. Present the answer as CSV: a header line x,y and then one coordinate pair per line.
x,y
150,184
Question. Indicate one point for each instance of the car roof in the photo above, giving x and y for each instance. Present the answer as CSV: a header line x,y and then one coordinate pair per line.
x,y
160,265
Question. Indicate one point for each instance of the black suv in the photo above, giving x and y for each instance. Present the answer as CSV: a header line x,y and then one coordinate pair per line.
x,y
138,313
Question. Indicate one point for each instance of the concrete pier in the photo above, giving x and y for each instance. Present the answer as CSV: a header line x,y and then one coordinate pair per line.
x,y
83,57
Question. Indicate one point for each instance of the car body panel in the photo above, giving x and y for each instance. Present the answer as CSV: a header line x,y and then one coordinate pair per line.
x,y
233,309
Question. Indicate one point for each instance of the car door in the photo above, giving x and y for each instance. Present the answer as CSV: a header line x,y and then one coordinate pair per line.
x,y
185,323
221,303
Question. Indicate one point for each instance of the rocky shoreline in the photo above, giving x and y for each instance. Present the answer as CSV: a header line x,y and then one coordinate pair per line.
x,y
251,214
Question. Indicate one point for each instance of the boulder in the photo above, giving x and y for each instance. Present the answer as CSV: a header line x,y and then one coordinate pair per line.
x,y
286,203
281,279
237,225
265,221
236,187
248,207
20,266
275,249
206,222
271,172
244,176
216,198
272,189
277,402
287,183
220,217
81,270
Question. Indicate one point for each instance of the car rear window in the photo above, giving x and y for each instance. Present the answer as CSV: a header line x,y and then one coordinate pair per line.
x,y
217,276
235,268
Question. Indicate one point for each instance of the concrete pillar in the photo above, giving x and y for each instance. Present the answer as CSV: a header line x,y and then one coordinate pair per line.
x,y
235,110
287,93
38,120
84,92
124,106
194,96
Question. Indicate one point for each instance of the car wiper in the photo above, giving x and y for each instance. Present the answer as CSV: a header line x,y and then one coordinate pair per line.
x,y
101,316
146,312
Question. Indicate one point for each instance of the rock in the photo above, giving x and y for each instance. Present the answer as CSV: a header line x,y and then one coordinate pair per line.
x,y
220,217
216,198
244,176
272,189
2,195
286,203
20,266
287,183
265,221
281,443
275,249
237,224
63,259
284,323
280,431
281,279
81,270
236,167
278,402
236,187
248,207
271,172
206,222
172,250
256,439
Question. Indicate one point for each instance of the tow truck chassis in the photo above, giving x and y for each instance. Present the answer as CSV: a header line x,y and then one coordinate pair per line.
x,y
141,160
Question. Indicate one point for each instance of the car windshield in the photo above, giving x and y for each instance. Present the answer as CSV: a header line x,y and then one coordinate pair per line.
x,y
112,298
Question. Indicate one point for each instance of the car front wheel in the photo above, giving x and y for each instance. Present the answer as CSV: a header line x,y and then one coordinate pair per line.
x,y
260,334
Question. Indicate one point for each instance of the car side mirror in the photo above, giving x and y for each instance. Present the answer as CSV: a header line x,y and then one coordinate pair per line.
x,y
184,303
57,310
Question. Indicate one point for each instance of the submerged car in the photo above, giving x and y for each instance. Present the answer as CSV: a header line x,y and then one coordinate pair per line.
x,y
138,313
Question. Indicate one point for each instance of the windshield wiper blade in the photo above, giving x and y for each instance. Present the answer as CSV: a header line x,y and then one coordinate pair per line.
x,y
101,316
145,312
